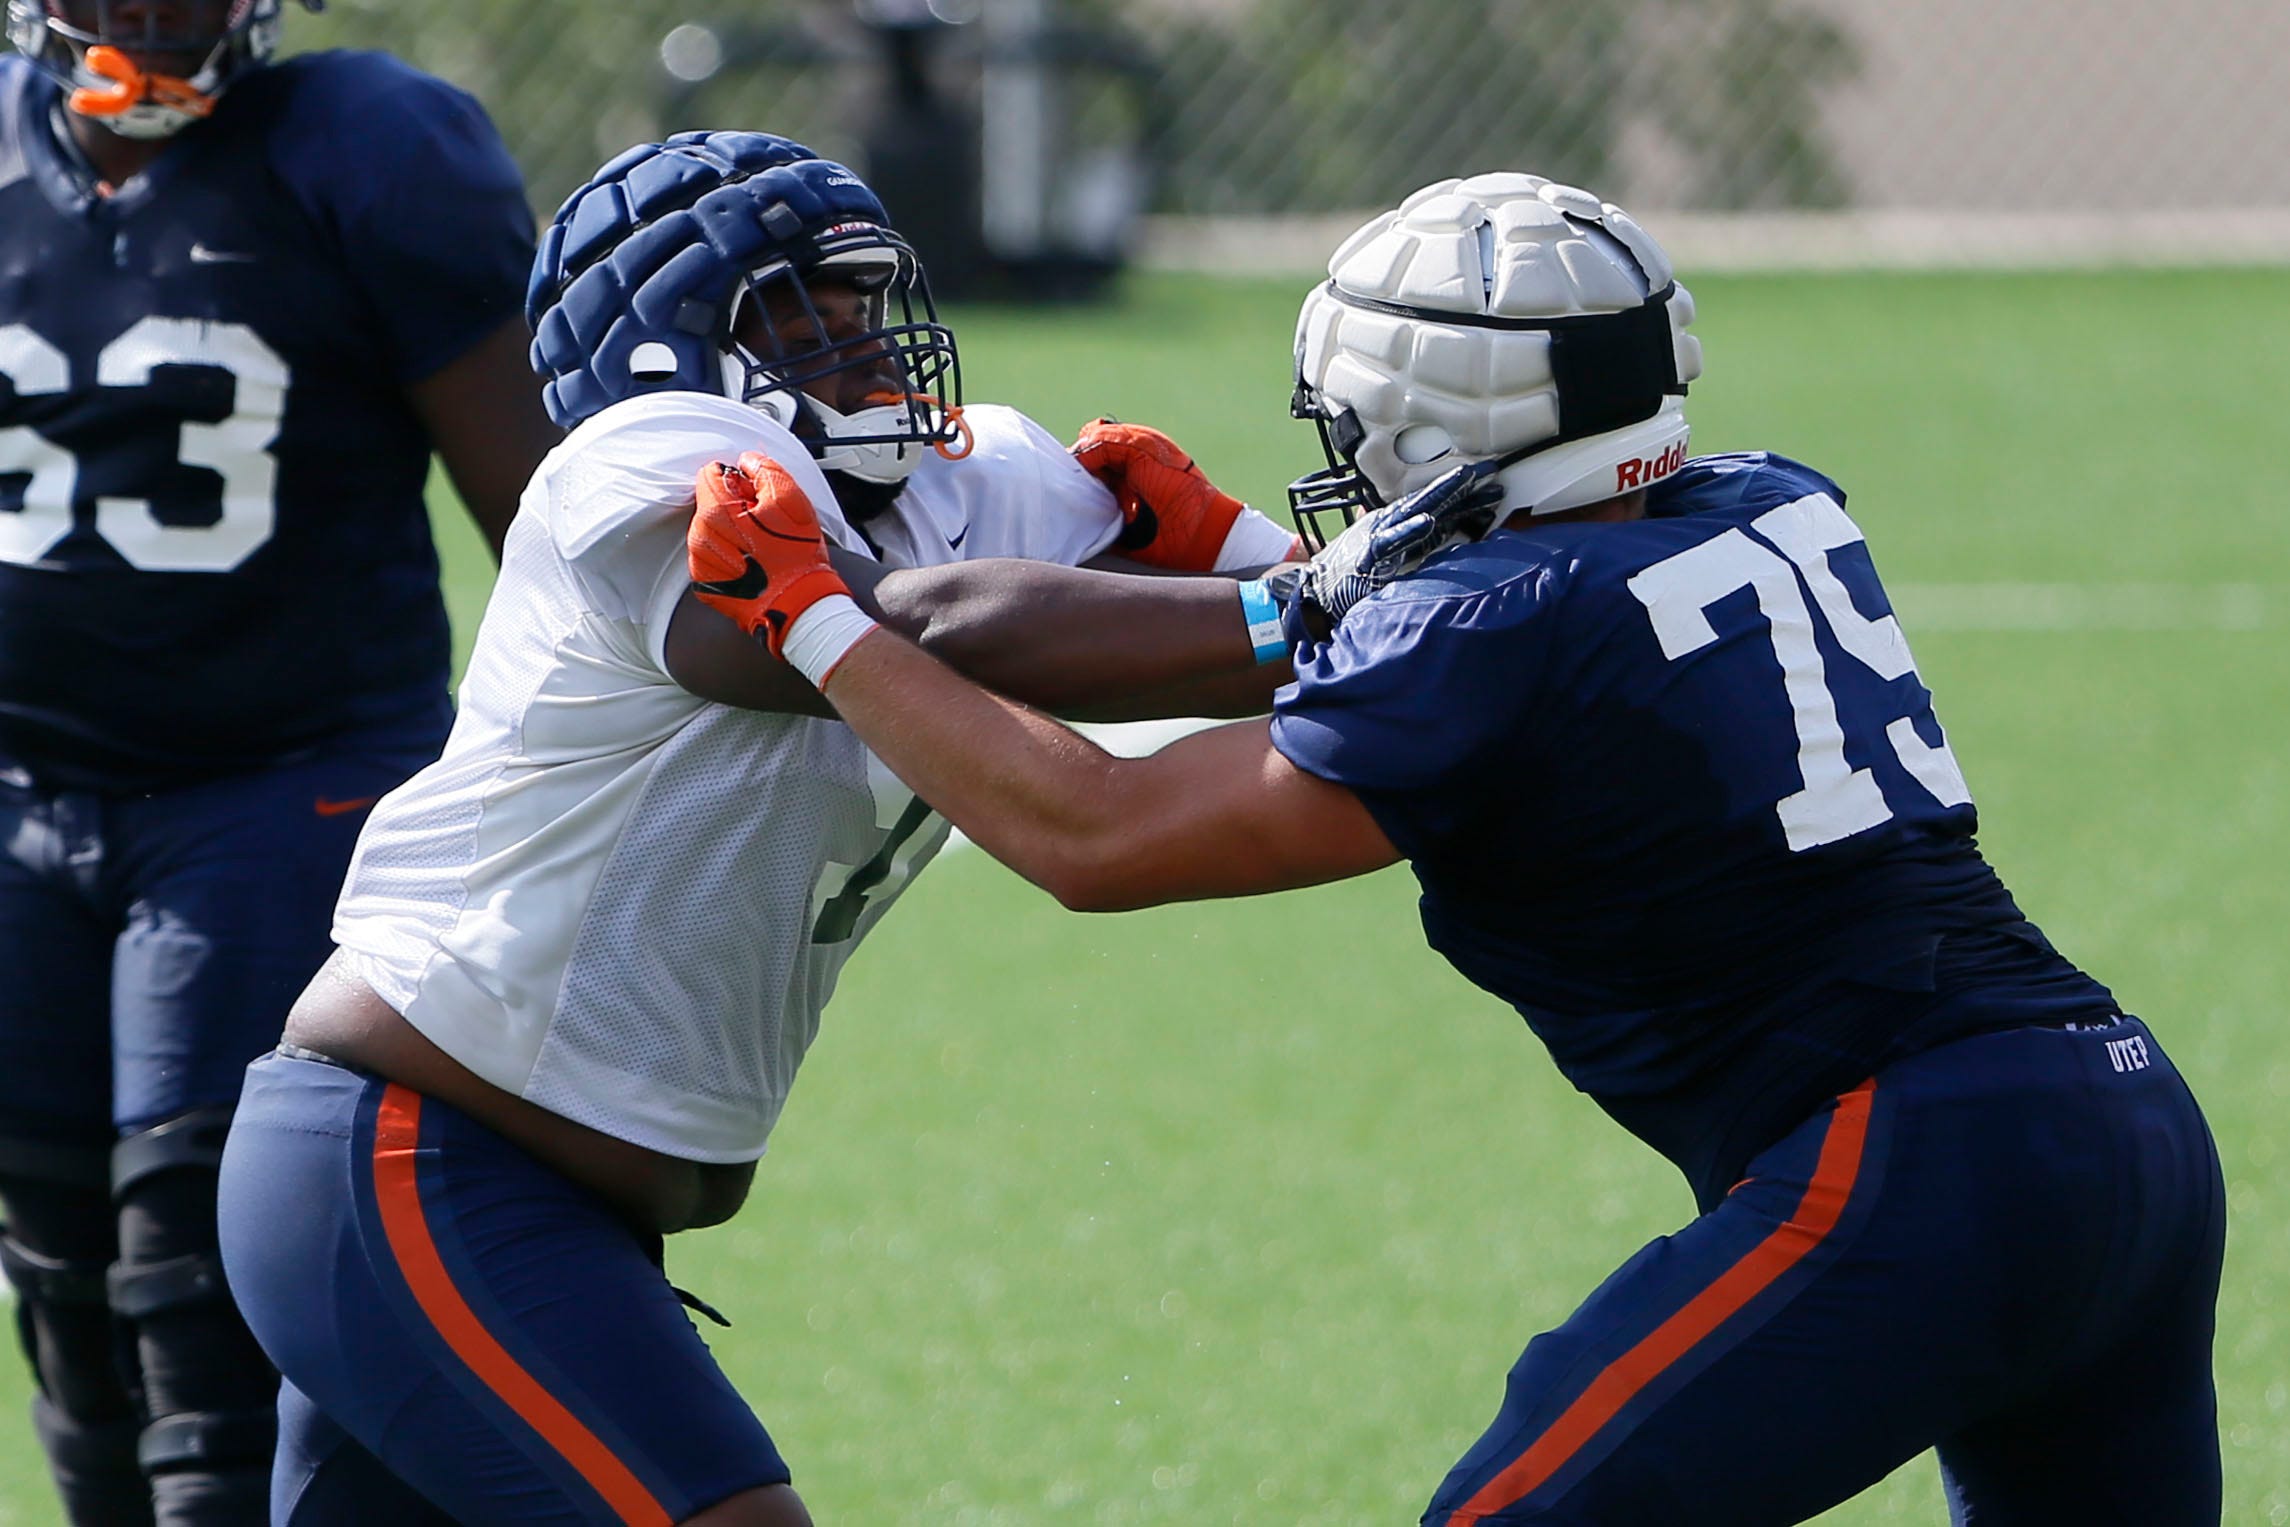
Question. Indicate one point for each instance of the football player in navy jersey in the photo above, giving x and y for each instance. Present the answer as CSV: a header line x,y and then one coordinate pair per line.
x,y
1659,756
241,305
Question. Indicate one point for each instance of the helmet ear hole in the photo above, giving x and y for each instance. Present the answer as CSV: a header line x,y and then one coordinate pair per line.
x,y
652,361
1419,443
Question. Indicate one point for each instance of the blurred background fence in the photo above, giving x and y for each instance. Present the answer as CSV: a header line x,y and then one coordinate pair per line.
x,y
1036,131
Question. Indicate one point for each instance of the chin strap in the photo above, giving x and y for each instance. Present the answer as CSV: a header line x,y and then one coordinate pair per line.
x,y
129,87
965,442
953,450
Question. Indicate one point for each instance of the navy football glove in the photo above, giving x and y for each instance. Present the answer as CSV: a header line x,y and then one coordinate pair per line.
x,y
1393,542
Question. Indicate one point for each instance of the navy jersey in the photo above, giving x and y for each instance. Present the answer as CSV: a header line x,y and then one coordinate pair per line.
x,y
213,546
1673,788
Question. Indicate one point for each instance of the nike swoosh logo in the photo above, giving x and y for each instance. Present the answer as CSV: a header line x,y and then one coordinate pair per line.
x,y
202,255
332,808
959,536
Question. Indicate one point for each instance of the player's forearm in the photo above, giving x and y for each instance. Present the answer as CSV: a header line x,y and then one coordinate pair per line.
x,y
1067,638
1037,796
1245,692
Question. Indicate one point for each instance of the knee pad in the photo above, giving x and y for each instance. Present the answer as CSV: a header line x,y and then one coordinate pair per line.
x,y
54,1255
54,1163
94,1466
187,1143
217,1455
64,1324
207,1389
163,1184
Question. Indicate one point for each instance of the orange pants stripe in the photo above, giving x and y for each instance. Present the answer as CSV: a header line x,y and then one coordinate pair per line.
x,y
1620,1381
397,1136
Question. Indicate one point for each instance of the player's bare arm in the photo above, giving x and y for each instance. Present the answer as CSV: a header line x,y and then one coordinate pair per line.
x,y
1105,645
484,416
1060,637
1115,645
1220,813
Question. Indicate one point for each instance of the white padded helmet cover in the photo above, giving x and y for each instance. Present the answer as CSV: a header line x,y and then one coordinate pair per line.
x,y
1431,395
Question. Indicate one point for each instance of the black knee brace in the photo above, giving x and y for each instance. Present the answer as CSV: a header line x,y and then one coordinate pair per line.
x,y
208,1392
93,1463
54,1253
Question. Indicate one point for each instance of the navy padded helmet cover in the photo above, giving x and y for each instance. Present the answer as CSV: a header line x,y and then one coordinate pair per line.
x,y
652,250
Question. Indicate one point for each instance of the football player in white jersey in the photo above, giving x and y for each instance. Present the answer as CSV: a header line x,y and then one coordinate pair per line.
x,y
582,955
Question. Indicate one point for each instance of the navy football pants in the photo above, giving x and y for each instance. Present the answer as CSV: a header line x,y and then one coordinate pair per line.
x,y
150,946
153,943
466,1335
2007,1247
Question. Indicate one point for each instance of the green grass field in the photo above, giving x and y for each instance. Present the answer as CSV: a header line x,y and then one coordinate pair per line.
x,y
1238,1213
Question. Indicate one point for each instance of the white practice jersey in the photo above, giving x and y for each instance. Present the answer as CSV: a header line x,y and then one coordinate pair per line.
x,y
617,900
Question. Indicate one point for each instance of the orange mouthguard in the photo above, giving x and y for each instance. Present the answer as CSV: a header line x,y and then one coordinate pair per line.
x,y
130,87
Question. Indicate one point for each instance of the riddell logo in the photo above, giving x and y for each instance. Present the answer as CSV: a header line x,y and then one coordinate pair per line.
x,y
1642,470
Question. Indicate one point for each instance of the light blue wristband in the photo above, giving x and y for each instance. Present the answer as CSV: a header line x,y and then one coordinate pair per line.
x,y
1262,612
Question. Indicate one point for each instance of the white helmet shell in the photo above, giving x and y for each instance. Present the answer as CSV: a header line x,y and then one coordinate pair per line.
x,y
1502,315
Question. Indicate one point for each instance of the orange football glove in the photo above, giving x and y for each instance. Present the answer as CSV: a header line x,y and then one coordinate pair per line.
x,y
1173,516
755,548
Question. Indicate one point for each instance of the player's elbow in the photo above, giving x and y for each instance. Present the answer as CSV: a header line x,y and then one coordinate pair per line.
x,y
1098,873
980,628
1080,889
958,636
1089,893
948,616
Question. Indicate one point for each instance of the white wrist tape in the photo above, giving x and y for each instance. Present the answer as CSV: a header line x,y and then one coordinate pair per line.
x,y
1254,541
823,636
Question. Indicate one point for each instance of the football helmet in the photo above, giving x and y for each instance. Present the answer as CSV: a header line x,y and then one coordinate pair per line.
x,y
1504,317
645,276
103,64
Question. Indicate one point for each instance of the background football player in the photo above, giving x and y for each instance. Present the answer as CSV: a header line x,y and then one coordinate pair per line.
x,y
584,953
240,306
1660,758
